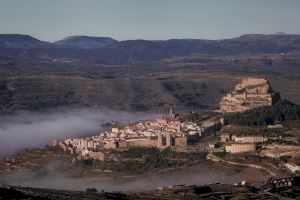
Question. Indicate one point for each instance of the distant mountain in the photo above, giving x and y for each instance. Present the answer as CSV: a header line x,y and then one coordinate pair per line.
x,y
149,50
17,41
283,39
259,43
84,42
108,50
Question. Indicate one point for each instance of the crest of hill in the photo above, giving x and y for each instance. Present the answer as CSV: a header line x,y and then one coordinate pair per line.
x,y
84,42
18,41
250,93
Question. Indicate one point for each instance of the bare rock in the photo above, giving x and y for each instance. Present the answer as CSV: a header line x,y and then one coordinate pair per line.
x,y
250,93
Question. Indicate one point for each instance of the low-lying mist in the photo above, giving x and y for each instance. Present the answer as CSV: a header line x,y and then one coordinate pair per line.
x,y
26,129
199,175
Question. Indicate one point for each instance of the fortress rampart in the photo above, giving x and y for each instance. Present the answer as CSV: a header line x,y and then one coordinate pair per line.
x,y
249,94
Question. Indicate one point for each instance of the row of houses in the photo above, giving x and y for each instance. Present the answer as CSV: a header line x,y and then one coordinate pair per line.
x,y
241,144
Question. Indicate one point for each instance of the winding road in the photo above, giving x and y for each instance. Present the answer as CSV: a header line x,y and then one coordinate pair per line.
x,y
218,159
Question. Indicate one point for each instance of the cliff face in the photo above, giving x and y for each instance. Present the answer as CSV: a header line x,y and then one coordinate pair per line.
x,y
249,94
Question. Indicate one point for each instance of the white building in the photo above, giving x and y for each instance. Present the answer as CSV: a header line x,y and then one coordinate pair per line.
x,y
293,167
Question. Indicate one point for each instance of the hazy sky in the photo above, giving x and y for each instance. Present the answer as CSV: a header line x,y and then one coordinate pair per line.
x,y
148,19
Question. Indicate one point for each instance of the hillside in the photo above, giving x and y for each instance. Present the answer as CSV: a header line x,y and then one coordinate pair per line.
x,y
151,88
139,94
280,112
143,75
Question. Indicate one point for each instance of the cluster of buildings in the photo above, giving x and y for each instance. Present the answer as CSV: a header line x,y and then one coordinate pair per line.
x,y
173,131
166,131
176,132
234,143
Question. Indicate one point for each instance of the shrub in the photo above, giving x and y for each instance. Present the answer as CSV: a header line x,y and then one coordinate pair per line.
x,y
280,112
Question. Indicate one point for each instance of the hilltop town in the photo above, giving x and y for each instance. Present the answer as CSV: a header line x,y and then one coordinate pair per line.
x,y
261,135
212,134
167,131
158,100
253,129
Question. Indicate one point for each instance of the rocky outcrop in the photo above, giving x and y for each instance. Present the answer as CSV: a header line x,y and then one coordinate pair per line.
x,y
250,93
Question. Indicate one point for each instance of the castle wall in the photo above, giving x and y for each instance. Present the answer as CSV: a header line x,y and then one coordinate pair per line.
x,y
250,139
251,93
142,142
240,148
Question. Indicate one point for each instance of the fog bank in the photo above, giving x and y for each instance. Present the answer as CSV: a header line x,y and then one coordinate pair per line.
x,y
199,175
26,129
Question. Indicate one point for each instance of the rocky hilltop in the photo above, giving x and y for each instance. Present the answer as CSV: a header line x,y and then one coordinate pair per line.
x,y
250,93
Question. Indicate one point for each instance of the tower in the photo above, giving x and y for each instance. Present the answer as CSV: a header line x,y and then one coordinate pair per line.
x,y
160,140
168,140
171,112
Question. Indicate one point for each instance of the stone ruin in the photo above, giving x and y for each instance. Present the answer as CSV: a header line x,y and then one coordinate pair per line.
x,y
250,93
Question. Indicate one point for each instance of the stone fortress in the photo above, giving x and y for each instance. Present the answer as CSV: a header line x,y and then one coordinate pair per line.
x,y
250,93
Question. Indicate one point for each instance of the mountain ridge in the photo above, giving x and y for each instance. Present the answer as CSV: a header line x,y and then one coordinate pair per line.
x,y
21,41
109,51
